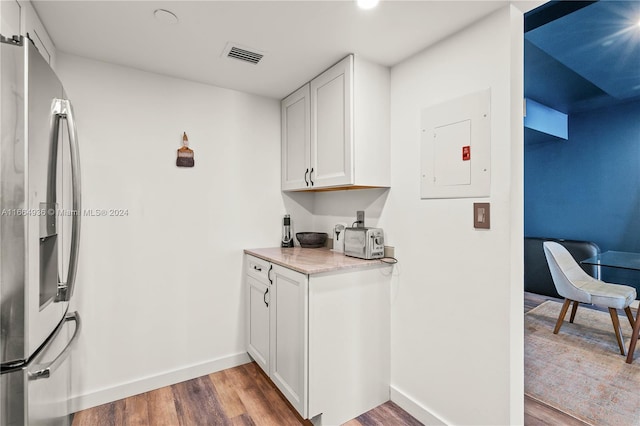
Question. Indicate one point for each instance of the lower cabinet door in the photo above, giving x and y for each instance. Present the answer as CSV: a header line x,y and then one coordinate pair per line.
x,y
258,298
289,336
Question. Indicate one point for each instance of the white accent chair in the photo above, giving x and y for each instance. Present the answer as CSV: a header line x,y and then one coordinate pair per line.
x,y
577,286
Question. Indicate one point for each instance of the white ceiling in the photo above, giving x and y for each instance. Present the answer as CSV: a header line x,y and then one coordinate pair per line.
x,y
300,38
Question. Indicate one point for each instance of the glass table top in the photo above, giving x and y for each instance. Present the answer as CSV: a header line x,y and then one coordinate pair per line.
x,y
615,259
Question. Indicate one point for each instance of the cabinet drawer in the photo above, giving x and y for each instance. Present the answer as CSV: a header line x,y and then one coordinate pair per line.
x,y
258,268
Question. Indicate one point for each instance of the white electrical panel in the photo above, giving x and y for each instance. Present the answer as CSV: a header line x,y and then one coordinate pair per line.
x,y
448,142
456,148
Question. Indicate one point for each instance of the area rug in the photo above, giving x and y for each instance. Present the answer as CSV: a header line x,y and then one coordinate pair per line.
x,y
580,370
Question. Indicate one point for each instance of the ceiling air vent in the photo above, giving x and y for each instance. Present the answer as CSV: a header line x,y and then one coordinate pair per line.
x,y
242,53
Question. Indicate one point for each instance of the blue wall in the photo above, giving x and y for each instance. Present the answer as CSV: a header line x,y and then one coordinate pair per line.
x,y
588,187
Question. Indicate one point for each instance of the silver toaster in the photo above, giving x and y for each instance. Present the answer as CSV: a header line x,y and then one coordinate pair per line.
x,y
365,243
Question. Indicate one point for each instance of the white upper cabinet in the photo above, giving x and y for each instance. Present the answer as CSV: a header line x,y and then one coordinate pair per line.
x,y
332,126
295,139
346,137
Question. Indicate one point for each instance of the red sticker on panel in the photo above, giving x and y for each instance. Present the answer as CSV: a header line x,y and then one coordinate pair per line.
x,y
466,153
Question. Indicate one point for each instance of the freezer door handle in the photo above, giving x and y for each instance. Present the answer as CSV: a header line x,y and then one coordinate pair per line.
x,y
63,109
46,370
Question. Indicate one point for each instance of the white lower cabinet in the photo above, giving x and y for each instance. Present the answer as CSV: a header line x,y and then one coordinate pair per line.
x,y
289,335
277,327
258,335
323,339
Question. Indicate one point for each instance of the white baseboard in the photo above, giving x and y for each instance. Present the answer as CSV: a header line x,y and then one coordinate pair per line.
x,y
146,384
414,408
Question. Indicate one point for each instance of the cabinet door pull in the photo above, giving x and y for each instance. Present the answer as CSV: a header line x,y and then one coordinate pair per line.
x,y
264,297
305,177
310,178
269,274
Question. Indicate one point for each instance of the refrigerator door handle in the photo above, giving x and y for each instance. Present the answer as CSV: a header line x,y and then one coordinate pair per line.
x,y
46,370
64,109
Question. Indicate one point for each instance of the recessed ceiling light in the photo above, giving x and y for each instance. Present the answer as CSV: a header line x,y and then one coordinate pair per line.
x,y
165,16
367,4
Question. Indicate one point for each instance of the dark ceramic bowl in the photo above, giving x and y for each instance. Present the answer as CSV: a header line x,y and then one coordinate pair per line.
x,y
311,239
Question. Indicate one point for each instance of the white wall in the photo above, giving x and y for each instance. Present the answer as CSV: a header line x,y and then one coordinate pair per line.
x,y
452,341
457,294
159,290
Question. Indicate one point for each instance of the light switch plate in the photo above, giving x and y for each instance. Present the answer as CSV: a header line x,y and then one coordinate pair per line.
x,y
481,215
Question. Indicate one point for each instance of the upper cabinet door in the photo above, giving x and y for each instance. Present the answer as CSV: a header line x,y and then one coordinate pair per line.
x,y
295,140
332,126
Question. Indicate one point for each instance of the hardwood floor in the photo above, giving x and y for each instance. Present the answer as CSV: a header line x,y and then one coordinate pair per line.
x,y
537,413
383,415
245,396
237,396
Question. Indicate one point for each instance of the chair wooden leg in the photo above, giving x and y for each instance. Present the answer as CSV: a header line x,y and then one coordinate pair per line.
x,y
634,338
627,311
563,313
574,310
616,327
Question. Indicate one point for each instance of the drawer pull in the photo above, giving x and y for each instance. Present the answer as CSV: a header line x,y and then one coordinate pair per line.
x,y
257,268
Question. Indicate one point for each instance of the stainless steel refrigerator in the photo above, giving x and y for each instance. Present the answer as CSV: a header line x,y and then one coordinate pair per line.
x,y
39,238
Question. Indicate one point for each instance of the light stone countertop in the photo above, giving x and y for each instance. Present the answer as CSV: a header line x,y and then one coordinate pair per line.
x,y
310,260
